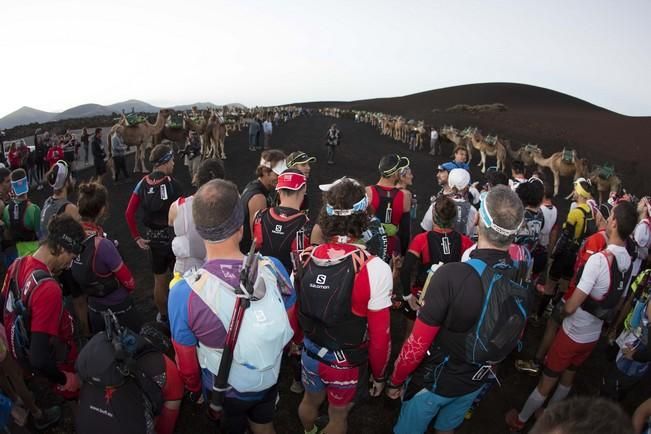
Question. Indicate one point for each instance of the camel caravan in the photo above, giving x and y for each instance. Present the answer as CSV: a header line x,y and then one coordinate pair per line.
x,y
211,125
564,163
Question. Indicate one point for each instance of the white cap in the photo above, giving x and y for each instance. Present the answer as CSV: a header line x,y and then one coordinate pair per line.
x,y
279,168
459,179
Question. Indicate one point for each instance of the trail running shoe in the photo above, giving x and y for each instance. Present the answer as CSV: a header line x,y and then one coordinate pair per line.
x,y
49,417
529,367
512,421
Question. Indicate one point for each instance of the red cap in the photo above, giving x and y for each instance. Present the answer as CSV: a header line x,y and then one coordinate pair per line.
x,y
290,181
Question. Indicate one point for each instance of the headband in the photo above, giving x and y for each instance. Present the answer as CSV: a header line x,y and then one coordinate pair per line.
x,y
68,243
223,231
20,186
358,208
165,158
490,223
580,190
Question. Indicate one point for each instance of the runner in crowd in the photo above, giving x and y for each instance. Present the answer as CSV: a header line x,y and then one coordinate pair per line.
x,y
642,235
99,155
257,194
99,272
598,292
517,174
392,205
201,307
333,140
430,249
192,154
444,379
460,158
21,219
531,194
342,336
60,179
54,154
127,388
30,294
187,245
281,231
580,224
301,161
156,191
458,183
5,187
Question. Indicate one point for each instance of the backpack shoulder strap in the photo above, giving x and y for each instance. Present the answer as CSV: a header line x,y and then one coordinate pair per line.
x,y
478,265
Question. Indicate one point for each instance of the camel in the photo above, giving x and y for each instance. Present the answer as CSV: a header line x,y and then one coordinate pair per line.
x,y
139,135
178,136
523,153
576,168
215,135
488,146
458,138
606,182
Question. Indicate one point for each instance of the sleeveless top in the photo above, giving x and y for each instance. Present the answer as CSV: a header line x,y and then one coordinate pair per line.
x,y
187,245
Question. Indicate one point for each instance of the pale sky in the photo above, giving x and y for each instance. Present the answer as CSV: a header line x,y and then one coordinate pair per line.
x,y
60,53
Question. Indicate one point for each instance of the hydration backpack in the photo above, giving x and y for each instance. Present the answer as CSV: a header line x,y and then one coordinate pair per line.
x,y
461,222
604,307
503,314
157,195
83,271
17,211
117,395
278,235
325,306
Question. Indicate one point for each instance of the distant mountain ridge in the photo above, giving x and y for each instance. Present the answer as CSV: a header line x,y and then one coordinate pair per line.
x,y
27,115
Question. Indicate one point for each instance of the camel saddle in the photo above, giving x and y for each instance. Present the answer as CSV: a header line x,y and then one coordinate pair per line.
x,y
531,148
135,119
567,156
491,140
606,171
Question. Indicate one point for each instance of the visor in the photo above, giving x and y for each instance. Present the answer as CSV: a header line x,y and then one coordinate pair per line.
x,y
62,175
392,164
290,181
279,168
327,187
358,208
299,158
20,187
447,167
490,223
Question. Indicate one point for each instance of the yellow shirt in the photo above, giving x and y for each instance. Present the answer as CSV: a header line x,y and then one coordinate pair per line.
x,y
576,218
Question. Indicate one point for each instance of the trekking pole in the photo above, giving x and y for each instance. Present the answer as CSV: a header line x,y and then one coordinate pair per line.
x,y
243,301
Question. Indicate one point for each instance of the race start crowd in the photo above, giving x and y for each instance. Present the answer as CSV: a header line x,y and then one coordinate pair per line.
x,y
256,284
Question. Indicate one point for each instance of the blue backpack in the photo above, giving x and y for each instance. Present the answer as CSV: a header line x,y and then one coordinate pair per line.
x,y
507,298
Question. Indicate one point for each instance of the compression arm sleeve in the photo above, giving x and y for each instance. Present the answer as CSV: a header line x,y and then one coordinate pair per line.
x,y
41,359
130,215
188,364
413,351
124,276
406,272
379,349
404,231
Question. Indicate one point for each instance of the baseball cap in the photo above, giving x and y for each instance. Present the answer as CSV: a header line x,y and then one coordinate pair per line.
x,y
290,179
459,179
299,157
392,163
448,167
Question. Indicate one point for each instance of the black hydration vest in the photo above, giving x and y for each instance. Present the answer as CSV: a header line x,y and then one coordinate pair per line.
x,y
157,195
325,306
442,247
278,235
385,209
84,274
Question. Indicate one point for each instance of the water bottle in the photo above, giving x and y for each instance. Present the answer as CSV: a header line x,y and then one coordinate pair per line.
x,y
387,214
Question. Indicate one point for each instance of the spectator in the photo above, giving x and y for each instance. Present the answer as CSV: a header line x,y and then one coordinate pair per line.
x,y
333,139
254,131
85,137
99,155
267,127
119,151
